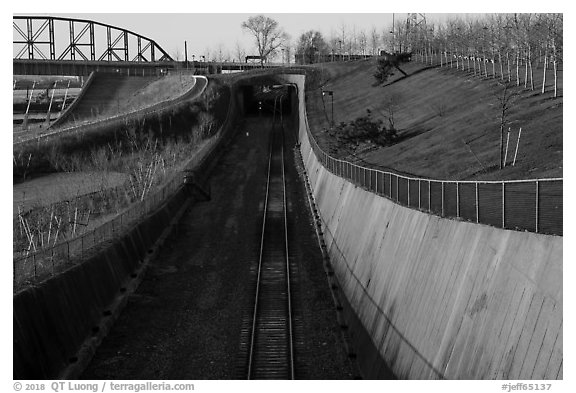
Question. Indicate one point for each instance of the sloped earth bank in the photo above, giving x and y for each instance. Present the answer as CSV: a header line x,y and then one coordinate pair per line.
x,y
187,317
447,121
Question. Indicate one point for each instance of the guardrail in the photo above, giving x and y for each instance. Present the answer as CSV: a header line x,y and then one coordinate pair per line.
x,y
525,205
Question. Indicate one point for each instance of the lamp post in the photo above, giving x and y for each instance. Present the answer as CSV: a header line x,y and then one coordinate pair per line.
x,y
331,94
282,57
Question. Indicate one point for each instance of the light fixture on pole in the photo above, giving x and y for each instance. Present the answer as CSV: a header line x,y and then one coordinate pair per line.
x,y
331,94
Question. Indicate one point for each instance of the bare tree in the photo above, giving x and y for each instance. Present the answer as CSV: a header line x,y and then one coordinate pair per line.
x,y
441,43
506,98
288,50
374,41
220,53
207,53
518,42
333,43
402,38
227,55
353,42
342,39
557,43
527,28
545,36
391,106
362,42
240,52
177,55
268,34
311,46
551,35
388,38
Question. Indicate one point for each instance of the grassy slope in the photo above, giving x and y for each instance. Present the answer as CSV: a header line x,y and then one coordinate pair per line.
x,y
441,109
164,89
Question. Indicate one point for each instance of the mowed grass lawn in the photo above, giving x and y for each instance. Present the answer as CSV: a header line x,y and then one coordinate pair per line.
x,y
447,121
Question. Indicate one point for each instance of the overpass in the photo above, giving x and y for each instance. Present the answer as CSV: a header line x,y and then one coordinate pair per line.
x,y
131,68
47,45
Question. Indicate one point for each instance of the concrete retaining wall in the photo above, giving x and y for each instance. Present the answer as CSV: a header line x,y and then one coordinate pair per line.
x,y
70,109
441,298
53,320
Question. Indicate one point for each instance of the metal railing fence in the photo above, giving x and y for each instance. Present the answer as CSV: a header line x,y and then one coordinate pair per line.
x,y
46,261
525,205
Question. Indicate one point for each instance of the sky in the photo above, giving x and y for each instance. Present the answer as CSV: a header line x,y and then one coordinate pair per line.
x,y
207,26
205,33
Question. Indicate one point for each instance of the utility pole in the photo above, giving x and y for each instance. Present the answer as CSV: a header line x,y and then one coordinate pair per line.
x,y
331,94
186,53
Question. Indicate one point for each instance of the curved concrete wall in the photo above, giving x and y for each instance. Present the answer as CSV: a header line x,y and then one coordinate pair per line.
x,y
70,109
441,298
53,320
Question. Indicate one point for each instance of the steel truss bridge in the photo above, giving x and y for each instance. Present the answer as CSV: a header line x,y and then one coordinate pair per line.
x,y
47,45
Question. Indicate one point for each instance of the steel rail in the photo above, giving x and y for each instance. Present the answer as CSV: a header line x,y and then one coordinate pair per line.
x,y
261,253
288,285
271,350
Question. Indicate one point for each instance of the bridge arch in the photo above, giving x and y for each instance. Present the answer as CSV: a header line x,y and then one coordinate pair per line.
x,y
58,38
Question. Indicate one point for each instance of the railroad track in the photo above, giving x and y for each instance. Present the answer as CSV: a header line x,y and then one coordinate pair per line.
x,y
271,347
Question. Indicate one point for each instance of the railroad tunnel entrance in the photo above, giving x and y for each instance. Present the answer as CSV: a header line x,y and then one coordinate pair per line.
x,y
264,99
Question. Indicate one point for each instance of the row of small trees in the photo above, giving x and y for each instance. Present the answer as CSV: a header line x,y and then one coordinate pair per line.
x,y
507,41
533,39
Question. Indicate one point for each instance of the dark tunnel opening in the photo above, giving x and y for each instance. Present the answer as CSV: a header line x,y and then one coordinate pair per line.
x,y
263,100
